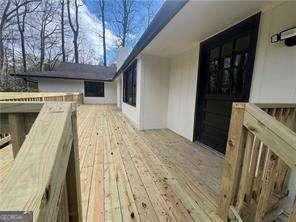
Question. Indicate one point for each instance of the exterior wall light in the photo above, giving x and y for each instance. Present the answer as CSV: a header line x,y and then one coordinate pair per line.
x,y
288,36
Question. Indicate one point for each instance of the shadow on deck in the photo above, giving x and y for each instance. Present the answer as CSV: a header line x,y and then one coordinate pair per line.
x,y
153,175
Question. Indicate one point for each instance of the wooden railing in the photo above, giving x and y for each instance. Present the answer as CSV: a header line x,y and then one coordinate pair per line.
x,y
4,139
11,96
44,177
261,150
16,118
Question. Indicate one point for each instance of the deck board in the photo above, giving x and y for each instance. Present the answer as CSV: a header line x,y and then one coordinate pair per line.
x,y
6,161
126,174
153,175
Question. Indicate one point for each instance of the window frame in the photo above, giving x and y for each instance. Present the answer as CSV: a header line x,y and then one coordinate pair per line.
x,y
130,84
99,93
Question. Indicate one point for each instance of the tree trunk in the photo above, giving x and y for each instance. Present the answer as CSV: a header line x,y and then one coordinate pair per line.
x,y
63,31
21,28
42,53
75,29
13,59
23,51
102,8
125,22
1,53
104,44
2,25
75,41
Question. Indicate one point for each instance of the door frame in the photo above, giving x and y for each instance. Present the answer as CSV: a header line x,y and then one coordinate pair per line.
x,y
251,22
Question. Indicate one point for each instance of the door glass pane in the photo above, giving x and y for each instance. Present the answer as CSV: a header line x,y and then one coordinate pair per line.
x,y
227,62
214,53
235,84
246,58
237,60
225,81
242,43
213,72
227,49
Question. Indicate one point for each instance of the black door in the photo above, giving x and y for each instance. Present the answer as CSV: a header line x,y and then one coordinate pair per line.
x,y
225,75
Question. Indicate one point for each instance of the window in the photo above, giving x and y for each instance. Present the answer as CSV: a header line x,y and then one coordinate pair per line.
x,y
94,89
130,84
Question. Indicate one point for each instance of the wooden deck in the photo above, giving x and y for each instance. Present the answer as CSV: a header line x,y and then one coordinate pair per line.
x,y
152,175
6,161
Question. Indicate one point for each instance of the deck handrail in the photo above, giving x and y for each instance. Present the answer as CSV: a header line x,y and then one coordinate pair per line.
x,y
33,97
261,149
37,96
44,177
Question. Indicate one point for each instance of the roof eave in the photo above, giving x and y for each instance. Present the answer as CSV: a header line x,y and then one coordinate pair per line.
x,y
58,77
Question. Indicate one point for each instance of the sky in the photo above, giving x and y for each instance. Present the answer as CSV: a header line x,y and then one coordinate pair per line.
x,y
91,27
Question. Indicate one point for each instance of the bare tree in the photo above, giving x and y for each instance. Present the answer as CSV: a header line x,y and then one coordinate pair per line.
x,y
74,28
123,13
102,16
12,46
8,12
149,10
48,10
63,29
21,19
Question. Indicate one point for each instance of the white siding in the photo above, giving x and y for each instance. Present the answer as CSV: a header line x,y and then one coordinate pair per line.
x,y
60,85
68,85
182,93
155,86
119,91
274,78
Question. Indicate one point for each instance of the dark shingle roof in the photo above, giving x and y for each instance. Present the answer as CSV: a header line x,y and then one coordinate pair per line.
x,y
168,10
66,70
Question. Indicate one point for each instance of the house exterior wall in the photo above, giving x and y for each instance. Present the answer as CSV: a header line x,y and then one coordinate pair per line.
x,y
152,94
68,85
133,112
155,84
182,93
274,75
119,92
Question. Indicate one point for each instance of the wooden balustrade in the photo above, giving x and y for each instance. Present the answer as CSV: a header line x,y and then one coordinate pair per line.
x,y
44,177
73,97
4,139
16,119
261,150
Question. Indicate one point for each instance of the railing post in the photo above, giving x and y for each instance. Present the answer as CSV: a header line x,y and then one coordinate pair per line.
x,y
73,177
63,214
17,131
233,159
292,217
267,186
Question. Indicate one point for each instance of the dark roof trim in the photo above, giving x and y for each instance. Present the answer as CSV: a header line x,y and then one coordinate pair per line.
x,y
169,9
59,77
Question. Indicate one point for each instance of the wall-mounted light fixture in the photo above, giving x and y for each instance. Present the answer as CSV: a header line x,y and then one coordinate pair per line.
x,y
288,36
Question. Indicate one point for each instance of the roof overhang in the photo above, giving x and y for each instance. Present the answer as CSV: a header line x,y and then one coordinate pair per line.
x,y
29,77
199,20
